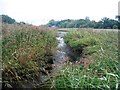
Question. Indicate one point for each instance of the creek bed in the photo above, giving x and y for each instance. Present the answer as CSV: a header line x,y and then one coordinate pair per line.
x,y
62,54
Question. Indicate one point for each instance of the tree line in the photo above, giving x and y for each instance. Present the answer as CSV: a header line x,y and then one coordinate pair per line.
x,y
7,19
104,23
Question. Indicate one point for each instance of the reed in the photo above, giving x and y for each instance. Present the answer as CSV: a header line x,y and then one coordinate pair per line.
x,y
26,50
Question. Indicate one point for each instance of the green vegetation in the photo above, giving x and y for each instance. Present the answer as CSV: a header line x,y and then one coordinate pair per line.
x,y
85,23
7,19
98,66
27,53
26,50
118,17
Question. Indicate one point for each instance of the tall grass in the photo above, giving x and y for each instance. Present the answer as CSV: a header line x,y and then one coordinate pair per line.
x,y
26,50
99,65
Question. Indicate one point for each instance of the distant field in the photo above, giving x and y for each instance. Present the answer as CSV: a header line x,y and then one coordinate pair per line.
x,y
66,29
106,29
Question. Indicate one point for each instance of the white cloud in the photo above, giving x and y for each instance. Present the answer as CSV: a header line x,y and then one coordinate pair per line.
x,y
41,11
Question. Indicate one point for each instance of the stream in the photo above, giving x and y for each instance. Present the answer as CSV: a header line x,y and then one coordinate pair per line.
x,y
61,55
64,52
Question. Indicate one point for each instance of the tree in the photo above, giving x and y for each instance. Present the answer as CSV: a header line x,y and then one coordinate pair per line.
x,y
87,19
84,23
22,23
115,27
51,23
7,19
99,25
108,23
118,17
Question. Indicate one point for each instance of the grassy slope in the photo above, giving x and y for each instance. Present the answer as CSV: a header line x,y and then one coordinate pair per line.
x,y
25,51
99,66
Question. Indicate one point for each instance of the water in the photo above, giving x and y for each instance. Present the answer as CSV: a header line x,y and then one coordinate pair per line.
x,y
61,55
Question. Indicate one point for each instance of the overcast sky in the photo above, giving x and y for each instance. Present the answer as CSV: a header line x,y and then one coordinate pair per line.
x,y
41,11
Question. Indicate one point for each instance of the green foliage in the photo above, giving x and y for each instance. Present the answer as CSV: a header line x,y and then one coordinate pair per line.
x,y
91,49
79,41
25,51
76,76
118,17
7,19
84,23
108,23
101,70
115,27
